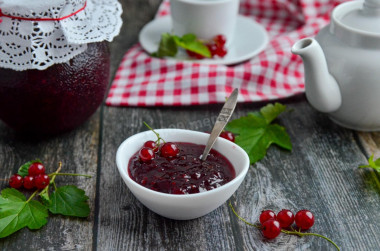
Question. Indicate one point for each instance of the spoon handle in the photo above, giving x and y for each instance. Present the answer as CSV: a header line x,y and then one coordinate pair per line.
x,y
222,120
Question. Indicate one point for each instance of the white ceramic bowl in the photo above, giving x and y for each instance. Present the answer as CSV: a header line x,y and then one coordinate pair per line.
x,y
185,206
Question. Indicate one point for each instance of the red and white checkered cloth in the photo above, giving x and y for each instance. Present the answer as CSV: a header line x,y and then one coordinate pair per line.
x,y
275,73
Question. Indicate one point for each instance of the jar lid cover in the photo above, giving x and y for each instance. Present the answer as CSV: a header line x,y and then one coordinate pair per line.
x,y
37,34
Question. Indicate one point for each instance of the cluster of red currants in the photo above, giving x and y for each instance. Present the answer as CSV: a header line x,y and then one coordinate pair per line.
x,y
216,48
271,224
150,149
36,178
169,149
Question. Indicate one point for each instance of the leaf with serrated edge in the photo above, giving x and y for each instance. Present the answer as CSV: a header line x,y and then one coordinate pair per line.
x,y
255,133
190,42
372,164
23,170
189,37
167,47
17,213
270,111
45,198
70,201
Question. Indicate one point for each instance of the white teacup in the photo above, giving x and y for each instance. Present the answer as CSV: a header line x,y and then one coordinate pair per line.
x,y
204,18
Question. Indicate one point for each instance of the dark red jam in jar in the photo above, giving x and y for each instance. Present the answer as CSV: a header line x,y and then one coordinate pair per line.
x,y
59,98
183,174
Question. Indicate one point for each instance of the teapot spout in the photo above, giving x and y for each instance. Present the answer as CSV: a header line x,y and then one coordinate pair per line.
x,y
322,90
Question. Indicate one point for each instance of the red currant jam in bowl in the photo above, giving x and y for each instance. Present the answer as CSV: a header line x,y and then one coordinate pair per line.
x,y
185,173
172,181
59,98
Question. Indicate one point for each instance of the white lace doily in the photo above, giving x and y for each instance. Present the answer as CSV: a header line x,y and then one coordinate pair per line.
x,y
34,44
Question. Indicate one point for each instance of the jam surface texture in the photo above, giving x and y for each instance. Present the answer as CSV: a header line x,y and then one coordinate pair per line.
x,y
183,174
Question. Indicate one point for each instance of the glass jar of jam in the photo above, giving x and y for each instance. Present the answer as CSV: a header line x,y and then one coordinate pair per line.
x,y
49,100
59,98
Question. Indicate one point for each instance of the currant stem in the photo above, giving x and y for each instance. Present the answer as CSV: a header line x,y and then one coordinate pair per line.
x,y
158,135
242,219
56,172
53,175
293,232
70,174
32,196
314,234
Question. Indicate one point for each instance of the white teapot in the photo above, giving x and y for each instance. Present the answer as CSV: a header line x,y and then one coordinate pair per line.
x,y
342,66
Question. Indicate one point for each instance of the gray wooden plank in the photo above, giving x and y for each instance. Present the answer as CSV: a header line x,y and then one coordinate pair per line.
x,y
320,174
78,152
124,223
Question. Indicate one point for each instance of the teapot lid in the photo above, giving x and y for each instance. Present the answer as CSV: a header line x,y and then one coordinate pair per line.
x,y
361,16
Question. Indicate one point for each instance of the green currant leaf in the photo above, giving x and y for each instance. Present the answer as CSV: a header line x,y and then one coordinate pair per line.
x,y
191,43
270,111
45,197
23,170
167,47
255,132
169,44
188,38
17,213
70,201
372,164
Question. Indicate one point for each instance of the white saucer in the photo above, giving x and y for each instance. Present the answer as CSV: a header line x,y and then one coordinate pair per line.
x,y
250,39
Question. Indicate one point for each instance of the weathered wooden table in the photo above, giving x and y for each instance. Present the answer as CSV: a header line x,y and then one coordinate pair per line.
x,y
320,174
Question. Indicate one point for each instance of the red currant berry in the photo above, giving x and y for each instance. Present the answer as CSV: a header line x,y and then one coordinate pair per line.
x,y
212,48
15,181
221,52
152,145
29,182
146,154
41,181
304,219
169,149
271,229
228,135
194,55
220,40
285,217
267,215
35,169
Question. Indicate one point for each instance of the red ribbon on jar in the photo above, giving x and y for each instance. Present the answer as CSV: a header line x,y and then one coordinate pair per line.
x,y
42,19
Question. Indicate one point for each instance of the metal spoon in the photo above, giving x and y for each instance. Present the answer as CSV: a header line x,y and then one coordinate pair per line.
x,y
221,121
